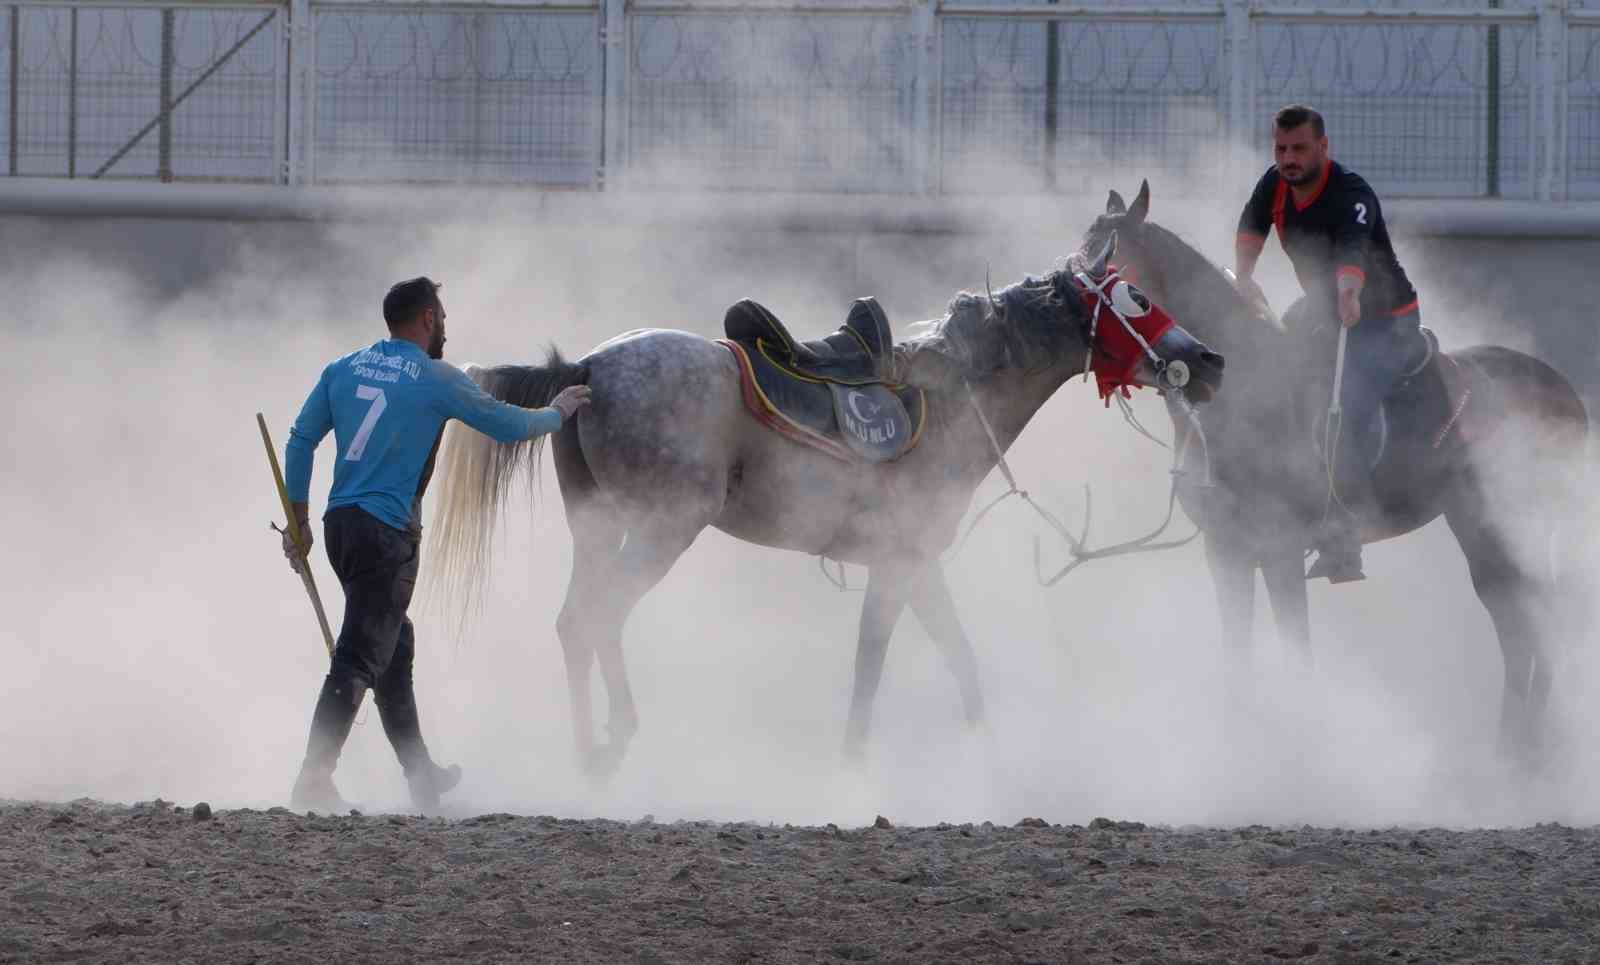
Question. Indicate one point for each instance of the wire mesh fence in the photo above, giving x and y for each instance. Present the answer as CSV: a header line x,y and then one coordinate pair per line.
x,y
1040,105
415,94
141,92
957,96
763,100
1583,111
1432,110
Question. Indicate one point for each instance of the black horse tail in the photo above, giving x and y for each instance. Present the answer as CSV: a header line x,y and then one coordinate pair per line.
x,y
474,479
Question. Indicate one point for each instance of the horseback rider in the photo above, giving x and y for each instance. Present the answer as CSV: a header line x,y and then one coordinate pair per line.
x,y
1332,228
386,405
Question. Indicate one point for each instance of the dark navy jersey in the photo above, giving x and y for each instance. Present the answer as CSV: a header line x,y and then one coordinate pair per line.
x,y
1340,230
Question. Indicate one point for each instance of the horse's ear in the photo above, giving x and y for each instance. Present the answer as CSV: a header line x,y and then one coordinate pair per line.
x,y
1141,204
1115,204
1102,261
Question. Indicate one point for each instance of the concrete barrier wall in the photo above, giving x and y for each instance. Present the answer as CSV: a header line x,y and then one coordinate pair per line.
x,y
1522,274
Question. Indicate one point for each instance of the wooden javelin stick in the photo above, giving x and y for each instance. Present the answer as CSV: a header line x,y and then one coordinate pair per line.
x,y
294,534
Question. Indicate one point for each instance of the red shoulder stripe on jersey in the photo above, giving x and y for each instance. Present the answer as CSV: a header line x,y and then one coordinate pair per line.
x,y
1405,309
1279,197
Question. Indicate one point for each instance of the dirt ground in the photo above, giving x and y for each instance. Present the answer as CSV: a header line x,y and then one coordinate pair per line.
x,y
152,882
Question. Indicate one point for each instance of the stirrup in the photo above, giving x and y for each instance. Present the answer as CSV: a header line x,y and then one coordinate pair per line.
x,y
1337,567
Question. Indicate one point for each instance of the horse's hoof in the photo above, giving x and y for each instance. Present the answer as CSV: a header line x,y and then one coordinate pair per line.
x,y
854,754
601,764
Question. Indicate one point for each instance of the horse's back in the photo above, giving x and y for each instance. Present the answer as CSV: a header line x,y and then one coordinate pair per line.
x,y
1530,388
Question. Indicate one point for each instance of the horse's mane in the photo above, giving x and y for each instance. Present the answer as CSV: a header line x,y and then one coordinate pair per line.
x,y
1019,326
1200,280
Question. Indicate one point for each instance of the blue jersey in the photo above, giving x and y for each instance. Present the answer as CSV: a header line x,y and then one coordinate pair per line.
x,y
387,406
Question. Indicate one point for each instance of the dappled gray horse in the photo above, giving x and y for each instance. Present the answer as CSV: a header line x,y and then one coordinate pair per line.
x,y
1488,437
681,436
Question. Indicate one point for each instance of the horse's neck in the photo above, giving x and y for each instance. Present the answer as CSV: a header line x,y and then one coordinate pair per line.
x,y
1192,297
1007,401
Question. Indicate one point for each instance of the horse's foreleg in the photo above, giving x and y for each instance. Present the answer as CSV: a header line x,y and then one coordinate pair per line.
x,y
1233,573
885,600
936,611
1285,576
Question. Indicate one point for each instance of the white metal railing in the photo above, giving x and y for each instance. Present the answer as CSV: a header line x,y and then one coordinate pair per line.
x,y
884,96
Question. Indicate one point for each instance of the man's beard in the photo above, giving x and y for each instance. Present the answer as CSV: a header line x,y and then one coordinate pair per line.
x,y
1305,177
436,346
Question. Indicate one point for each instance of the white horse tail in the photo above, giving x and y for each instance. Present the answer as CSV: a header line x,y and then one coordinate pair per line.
x,y
474,475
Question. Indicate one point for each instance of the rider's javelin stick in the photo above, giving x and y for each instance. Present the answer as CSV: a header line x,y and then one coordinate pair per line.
x,y
1330,441
294,534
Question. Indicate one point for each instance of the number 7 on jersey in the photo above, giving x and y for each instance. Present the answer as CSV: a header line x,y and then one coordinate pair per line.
x,y
358,445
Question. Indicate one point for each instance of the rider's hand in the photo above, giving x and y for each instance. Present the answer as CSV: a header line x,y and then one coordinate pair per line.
x,y
291,552
1251,291
570,399
1349,304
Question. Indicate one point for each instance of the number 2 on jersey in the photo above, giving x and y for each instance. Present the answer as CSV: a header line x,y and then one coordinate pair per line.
x,y
1361,214
358,445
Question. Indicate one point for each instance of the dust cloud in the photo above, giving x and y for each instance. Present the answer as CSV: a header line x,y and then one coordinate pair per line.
x,y
157,644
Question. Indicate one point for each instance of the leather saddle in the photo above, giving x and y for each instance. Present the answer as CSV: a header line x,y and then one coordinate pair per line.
x,y
836,393
1446,402
860,352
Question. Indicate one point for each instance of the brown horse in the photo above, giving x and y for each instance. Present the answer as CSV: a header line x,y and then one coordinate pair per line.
x,y
1488,437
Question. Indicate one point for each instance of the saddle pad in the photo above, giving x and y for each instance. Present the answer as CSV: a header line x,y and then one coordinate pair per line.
x,y
806,411
875,424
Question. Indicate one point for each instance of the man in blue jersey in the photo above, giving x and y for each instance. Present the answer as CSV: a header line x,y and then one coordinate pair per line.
x,y
386,406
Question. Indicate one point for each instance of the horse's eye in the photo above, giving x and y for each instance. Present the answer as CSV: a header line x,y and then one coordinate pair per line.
x,y
1129,300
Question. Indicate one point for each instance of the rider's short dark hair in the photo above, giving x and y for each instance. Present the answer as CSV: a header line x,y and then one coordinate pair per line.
x,y
408,298
1291,117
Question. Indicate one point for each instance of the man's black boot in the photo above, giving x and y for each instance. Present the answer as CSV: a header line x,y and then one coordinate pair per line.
x,y
336,709
426,779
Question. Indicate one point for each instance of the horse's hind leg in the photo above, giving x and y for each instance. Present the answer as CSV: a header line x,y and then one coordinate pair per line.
x,y
648,551
1514,598
596,538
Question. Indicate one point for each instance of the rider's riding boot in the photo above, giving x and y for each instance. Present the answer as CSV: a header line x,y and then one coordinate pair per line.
x,y
337,704
426,779
1339,551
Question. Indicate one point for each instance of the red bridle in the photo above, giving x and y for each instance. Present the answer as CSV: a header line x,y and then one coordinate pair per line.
x,y
1124,325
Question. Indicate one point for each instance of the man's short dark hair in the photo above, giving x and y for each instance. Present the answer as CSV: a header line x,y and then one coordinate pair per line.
x,y
408,298
1291,117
